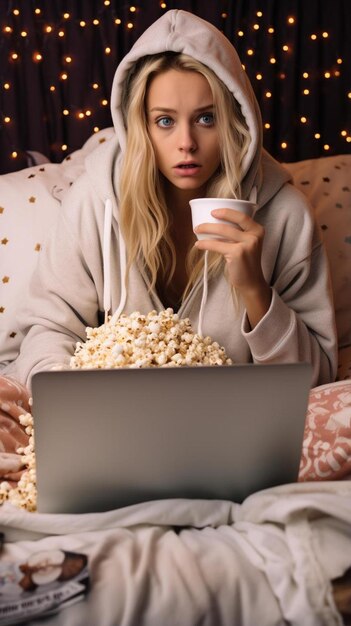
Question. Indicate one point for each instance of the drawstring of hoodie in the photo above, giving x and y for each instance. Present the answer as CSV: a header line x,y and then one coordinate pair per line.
x,y
106,254
253,199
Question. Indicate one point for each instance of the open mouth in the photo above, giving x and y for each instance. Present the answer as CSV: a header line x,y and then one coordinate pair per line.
x,y
188,165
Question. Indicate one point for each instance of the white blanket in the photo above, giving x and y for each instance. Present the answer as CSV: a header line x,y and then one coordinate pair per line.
x,y
266,562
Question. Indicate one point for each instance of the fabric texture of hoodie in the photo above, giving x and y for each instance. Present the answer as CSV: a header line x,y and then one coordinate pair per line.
x,y
81,272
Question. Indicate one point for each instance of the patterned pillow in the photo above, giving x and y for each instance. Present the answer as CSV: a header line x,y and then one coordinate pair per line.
x,y
327,184
29,204
326,448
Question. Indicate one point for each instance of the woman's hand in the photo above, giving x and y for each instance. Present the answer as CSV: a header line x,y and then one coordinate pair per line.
x,y
14,402
242,250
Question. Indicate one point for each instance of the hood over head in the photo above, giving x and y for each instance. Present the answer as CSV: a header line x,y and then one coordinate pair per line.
x,y
183,32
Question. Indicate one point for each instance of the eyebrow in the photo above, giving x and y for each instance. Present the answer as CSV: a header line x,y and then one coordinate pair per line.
x,y
167,110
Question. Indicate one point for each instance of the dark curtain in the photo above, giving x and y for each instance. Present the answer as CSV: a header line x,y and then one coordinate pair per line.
x,y
56,91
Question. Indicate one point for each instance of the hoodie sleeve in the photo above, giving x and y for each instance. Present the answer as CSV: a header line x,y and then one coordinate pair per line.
x,y
300,323
63,297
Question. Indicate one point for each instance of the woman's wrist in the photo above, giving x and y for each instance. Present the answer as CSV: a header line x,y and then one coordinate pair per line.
x,y
257,302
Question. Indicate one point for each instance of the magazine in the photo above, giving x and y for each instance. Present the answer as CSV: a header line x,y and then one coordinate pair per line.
x,y
45,583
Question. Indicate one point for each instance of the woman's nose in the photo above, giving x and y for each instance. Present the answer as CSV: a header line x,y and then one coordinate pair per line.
x,y
187,141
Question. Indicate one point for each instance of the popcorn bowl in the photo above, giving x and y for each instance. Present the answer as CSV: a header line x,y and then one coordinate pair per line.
x,y
201,211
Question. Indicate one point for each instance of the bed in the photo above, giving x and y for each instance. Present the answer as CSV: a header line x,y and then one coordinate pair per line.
x,y
270,560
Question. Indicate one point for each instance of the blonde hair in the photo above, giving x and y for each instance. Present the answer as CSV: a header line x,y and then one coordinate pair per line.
x,y
144,217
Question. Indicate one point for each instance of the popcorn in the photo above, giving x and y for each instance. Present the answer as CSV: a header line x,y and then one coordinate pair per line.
x,y
136,341
24,495
152,340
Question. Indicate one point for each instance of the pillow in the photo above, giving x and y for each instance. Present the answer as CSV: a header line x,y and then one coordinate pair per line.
x,y
29,203
327,184
326,448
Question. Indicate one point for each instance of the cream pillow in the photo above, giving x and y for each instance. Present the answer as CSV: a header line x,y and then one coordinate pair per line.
x,y
327,184
29,203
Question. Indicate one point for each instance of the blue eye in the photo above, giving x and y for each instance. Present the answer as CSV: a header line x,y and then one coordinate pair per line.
x,y
164,122
207,119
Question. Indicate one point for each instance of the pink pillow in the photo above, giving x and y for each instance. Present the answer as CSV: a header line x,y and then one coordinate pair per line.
x,y
326,448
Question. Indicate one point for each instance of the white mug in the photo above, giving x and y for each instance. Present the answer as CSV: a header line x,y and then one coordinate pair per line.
x,y
201,211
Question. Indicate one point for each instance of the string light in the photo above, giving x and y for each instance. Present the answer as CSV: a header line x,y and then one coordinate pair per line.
x,y
86,111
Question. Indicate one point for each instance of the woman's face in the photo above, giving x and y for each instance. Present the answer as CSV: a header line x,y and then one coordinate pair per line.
x,y
182,128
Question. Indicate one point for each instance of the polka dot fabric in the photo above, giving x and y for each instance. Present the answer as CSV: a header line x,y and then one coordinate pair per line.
x,y
29,204
327,184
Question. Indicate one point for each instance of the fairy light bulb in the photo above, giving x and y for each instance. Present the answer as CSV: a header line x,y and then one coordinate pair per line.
x,y
280,55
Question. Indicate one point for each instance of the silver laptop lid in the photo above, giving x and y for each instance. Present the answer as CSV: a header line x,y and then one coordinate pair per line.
x,y
111,438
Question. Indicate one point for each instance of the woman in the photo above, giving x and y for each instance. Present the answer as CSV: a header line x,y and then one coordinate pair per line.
x,y
187,125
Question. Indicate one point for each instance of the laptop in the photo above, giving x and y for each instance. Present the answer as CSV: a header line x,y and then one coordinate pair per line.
x,y
105,439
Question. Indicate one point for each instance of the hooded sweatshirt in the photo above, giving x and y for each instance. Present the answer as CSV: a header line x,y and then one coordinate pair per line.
x,y
81,273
